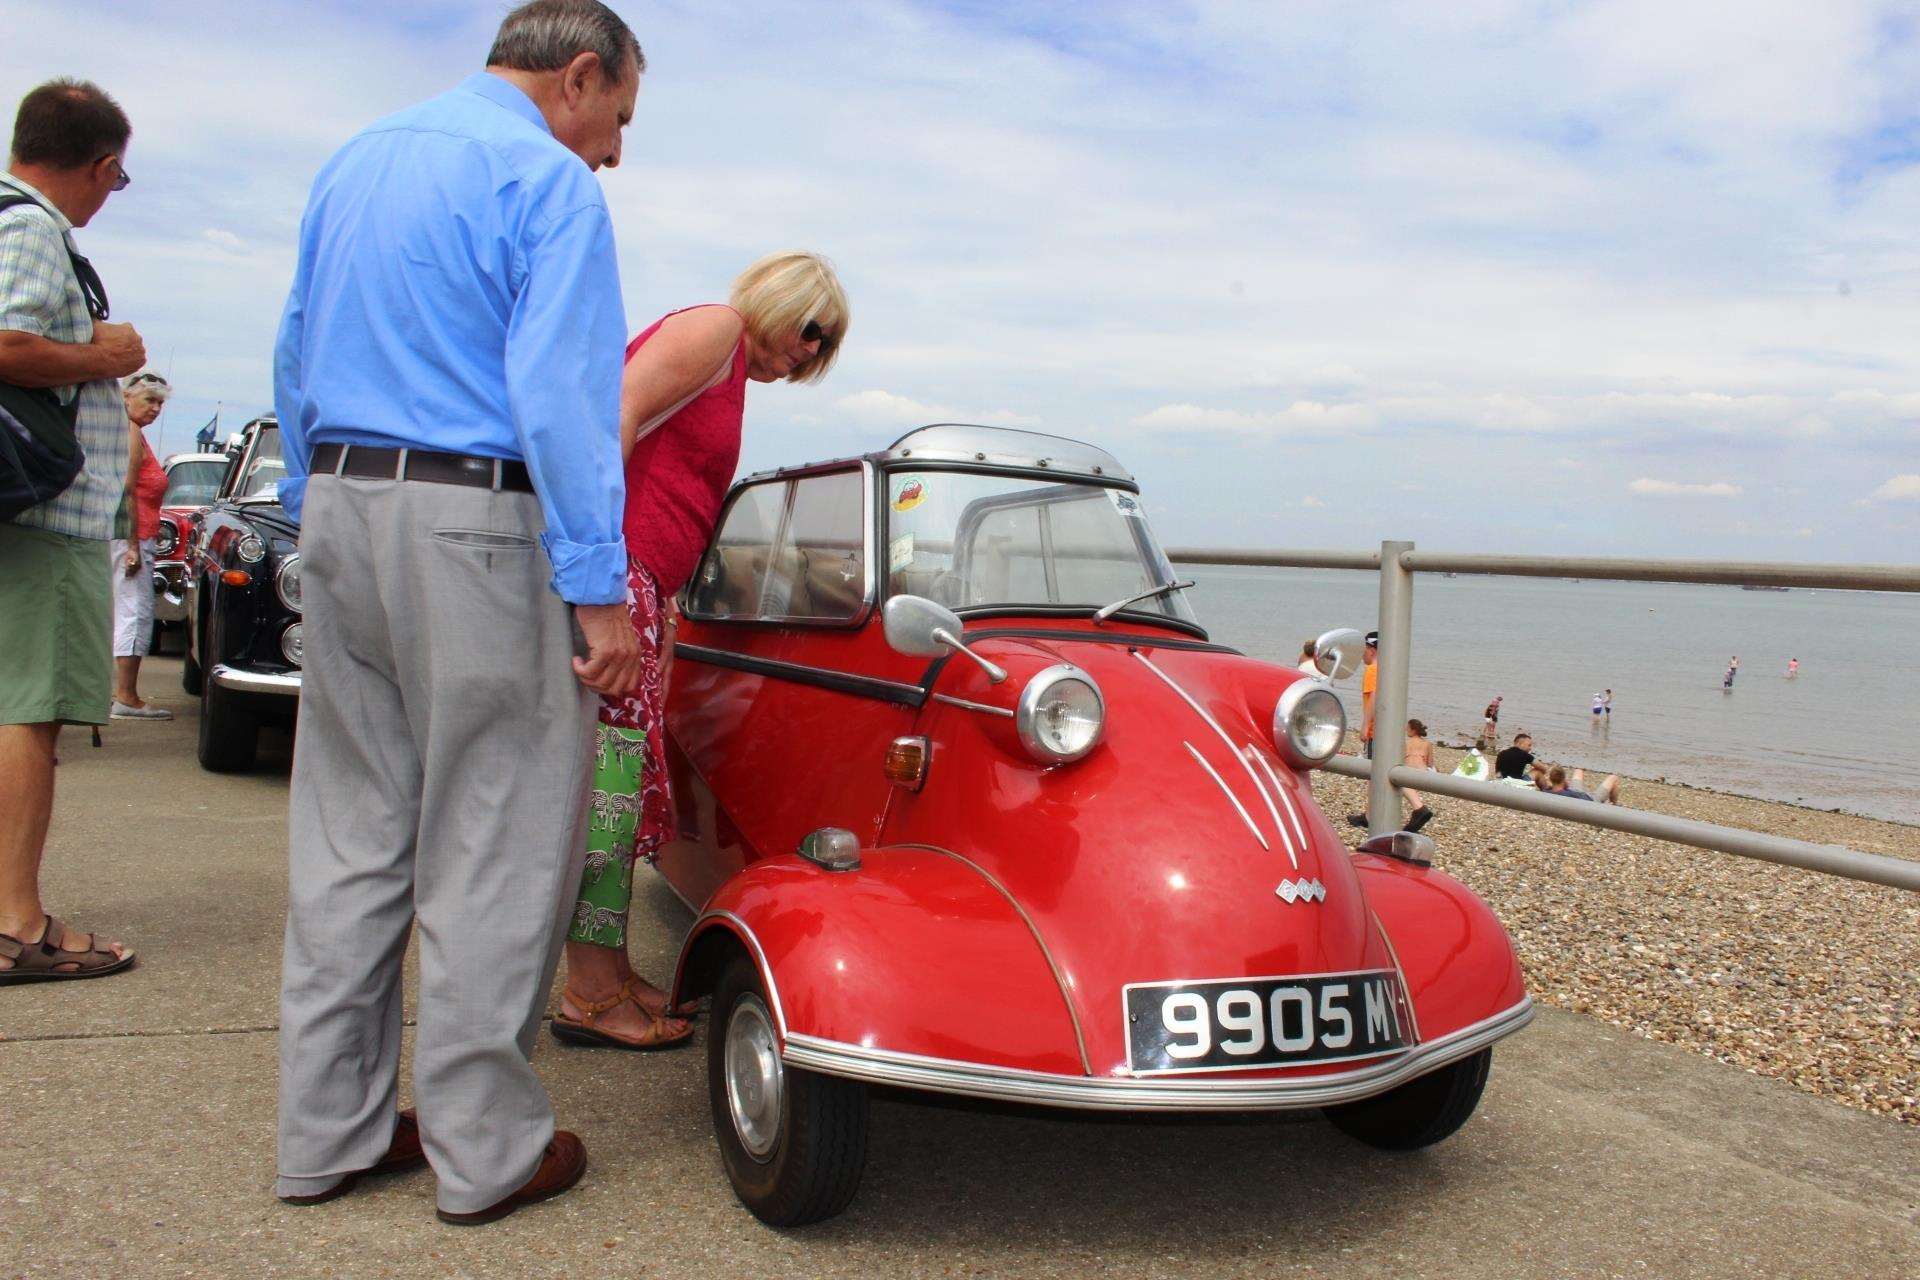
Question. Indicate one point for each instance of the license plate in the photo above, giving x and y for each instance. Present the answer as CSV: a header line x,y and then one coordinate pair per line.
x,y
1233,1023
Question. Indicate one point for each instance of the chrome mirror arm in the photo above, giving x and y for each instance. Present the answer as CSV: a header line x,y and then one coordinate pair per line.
x,y
995,674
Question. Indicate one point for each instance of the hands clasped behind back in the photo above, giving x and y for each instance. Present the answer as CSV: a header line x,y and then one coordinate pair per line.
x,y
612,664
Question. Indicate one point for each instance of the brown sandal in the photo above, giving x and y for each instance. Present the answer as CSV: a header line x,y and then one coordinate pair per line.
x,y
45,959
584,1032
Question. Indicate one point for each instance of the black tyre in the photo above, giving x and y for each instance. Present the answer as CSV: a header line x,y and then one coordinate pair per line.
x,y
191,676
1420,1112
229,732
794,1142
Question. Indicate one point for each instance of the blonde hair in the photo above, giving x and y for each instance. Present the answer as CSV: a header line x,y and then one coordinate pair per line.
x,y
777,295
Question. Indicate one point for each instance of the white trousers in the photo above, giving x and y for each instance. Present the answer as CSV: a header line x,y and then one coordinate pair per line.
x,y
132,600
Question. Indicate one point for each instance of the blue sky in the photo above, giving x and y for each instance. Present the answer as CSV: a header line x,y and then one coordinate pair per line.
x,y
1620,277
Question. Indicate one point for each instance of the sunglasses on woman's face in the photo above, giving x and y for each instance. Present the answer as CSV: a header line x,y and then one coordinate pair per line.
x,y
812,332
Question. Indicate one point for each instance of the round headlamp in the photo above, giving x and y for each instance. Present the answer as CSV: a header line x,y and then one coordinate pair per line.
x,y
288,582
1308,724
166,539
293,644
250,548
1061,714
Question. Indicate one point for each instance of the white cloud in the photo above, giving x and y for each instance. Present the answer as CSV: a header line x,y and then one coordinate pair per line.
x,y
1901,488
1683,489
885,409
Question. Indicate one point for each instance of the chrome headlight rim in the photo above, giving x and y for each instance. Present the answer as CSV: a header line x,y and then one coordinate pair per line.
x,y
293,645
1027,713
1290,748
251,548
165,539
290,565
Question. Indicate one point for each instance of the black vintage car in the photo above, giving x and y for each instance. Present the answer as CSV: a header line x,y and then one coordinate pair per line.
x,y
243,605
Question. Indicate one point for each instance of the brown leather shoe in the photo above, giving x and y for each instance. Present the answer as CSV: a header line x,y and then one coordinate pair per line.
x,y
565,1160
403,1153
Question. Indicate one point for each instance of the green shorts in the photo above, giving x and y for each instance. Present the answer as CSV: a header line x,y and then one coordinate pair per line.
x,y
56,623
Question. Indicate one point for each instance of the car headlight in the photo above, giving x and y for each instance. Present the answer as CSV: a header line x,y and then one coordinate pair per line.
x,y
288,582
1308,724
250,548
292,644
1061,714
166,539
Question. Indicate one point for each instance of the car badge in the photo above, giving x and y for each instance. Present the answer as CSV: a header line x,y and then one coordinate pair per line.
x,y
1302,891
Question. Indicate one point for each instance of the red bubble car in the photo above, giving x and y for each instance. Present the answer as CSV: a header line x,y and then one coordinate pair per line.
x,y
969,803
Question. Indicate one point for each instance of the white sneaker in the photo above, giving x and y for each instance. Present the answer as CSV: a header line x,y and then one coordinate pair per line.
x,y
121,711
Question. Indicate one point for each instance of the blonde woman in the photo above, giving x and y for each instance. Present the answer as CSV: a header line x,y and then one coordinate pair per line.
x,y
681,404
133,557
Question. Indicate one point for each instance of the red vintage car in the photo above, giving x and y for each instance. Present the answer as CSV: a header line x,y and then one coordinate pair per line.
x,y
969,803
192,481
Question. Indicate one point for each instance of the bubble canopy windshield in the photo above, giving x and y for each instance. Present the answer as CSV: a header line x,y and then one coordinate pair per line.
x,y
1005,447
978,540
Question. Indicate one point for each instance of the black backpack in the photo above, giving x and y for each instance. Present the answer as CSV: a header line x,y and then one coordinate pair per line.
x,y
40,453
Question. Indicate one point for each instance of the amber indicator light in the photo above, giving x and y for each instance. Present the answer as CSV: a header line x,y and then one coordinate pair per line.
x,y
906,763
235,577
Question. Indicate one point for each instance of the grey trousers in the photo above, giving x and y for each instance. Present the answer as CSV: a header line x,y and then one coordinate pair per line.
x,y
440,772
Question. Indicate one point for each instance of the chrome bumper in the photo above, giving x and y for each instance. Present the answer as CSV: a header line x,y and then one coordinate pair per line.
x,y
1149,1093
170,592
239,681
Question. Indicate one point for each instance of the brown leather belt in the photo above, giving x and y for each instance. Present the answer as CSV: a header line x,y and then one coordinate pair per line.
x,y
363,462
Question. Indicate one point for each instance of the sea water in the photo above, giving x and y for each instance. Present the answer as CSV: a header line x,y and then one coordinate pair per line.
x,y
1841,734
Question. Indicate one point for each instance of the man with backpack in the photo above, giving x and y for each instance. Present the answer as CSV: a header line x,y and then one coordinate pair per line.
x,y
63,463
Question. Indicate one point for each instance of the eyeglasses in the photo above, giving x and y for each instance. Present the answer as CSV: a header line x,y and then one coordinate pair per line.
x,y
120,183
812,332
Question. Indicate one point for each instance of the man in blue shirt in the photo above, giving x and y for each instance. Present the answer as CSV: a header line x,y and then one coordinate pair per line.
x,y
447,378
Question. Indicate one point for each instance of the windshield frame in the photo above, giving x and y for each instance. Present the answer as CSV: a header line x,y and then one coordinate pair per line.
x,y
1142,537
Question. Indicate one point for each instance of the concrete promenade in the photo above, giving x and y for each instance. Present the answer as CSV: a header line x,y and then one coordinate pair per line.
x,y
136,1127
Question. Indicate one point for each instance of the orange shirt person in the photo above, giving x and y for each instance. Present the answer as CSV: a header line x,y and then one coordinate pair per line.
x,y
1369,681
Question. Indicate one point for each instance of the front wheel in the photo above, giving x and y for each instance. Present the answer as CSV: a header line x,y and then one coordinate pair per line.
x,y
229,732
794,1142
1420,1112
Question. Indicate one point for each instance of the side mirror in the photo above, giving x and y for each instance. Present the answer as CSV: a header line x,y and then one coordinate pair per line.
x,y
916,626
1408,846
1338,654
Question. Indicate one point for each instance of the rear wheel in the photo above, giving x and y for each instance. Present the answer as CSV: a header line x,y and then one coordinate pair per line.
x,y
229,732
1420,1112
794,1142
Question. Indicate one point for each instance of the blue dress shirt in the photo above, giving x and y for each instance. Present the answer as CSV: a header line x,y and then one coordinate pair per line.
x,y
458,290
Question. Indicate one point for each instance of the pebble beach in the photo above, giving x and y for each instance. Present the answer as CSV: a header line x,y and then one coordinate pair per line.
x,y
1808,978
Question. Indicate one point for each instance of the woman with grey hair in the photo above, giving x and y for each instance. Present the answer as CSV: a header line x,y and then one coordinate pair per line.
x,y
132,557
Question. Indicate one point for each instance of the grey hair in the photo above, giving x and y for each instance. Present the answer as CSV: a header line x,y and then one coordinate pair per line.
x,y
546,35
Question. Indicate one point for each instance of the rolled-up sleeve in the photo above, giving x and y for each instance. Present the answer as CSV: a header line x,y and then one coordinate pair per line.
x,y
565,340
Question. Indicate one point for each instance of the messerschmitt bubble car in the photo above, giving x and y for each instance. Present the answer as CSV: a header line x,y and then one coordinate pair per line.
x,y
969,803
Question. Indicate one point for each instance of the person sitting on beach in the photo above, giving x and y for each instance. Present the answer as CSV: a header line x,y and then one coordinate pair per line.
x,y
1307,654
1511,764
1556,784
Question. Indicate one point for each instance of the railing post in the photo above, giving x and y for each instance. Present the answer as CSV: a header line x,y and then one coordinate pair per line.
x,y
1390,692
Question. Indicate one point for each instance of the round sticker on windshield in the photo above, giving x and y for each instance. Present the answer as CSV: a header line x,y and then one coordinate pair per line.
x,y
911,495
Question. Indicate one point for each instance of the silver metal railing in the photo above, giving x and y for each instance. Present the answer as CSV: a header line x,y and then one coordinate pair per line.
x,y
1387,774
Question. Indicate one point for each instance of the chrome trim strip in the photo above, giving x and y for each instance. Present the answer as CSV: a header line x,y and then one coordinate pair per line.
x,y
1059,977
859,686
1012,1084
1238,808
1286,836
1395,954
753,945
1231,749
255,681
1293,810
952,701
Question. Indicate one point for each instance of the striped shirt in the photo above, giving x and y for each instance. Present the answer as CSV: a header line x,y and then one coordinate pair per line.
x,y
40,295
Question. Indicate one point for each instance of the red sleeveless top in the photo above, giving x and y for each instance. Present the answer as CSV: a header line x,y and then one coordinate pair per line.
x,y
677,476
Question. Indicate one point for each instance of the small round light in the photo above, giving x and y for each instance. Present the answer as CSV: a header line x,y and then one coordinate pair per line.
x,y
288,582
1061,715
292,644
251,549
1308,724
166,539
